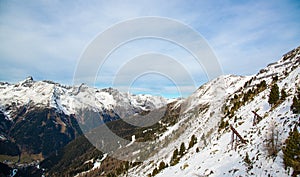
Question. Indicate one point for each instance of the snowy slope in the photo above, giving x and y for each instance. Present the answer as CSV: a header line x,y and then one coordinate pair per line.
x,y
200,115
203,112
219,159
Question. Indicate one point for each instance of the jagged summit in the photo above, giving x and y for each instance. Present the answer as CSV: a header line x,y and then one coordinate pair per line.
x,y
29,78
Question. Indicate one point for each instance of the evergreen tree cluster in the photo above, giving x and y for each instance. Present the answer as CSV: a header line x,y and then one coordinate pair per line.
x,y
239,100
182,150
155,171
291,151
122,168
178,154
295,107
275,97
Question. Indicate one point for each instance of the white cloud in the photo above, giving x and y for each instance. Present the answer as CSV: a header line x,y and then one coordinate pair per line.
x,y
46,38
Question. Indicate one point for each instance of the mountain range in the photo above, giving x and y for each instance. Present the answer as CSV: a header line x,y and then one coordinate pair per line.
x,y
230,126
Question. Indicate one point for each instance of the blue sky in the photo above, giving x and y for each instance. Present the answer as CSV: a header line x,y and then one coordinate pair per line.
x,y
45,39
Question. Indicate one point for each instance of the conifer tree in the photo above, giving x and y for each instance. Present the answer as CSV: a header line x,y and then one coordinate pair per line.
x,y
295,107
274,95
154,172
175,154
283,95
275,78
193,141
174,159
291,151
162,165
262,85
182,149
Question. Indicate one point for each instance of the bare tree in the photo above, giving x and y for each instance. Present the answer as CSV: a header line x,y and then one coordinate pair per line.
x,y
272,144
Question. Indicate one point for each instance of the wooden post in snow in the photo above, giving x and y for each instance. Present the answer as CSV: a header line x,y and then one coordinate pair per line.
x,y
232,139
257,118
235,135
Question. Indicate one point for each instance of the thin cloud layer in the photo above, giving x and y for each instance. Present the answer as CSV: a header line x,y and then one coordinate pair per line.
x,y
46,38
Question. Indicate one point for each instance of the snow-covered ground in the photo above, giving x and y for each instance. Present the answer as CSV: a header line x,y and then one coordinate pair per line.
x,y
201,116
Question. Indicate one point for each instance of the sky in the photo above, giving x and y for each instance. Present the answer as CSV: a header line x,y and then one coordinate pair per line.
x,y
47,39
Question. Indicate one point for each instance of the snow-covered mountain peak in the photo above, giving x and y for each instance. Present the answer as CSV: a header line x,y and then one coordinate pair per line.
x,y
27,82
71,99
216,90
28,79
